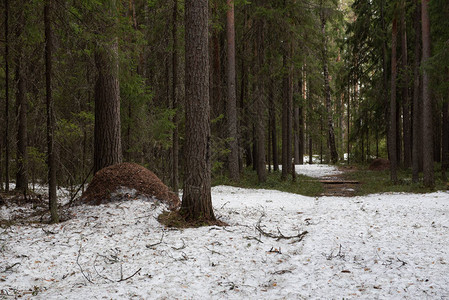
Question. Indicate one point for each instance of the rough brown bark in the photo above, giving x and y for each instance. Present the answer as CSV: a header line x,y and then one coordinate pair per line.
x,y
429,179
286,138
417,121
259,103
175,147
6,134
272,117
233,159
393,127
196,199
51,161
21,113
445,140
327,92
405,94
107,131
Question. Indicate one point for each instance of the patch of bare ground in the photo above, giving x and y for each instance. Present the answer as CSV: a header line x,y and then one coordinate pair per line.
x,y
339,185
175,219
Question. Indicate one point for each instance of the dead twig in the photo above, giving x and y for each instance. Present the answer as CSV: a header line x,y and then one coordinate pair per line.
x,y
280,236
129,277
158,243
81,269
10,267
180,248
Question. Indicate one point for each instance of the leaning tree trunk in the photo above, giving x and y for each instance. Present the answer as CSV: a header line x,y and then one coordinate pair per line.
x,y
392,128
327,92
233,159
196,199
52,198
107,132
427,101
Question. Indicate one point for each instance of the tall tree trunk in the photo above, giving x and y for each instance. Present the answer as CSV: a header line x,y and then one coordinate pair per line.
x,y
272,116
196,199
417,121
393,127
107,137
427,101
286,138
175,148
327,92
21,112
232,97
385,72
6,135
405,94
445,139
260,105
52,197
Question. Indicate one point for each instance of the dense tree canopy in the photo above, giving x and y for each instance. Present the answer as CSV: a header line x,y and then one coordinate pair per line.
x,y
346,80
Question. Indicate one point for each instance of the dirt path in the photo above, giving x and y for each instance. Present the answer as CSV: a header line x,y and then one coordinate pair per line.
x,y
339,185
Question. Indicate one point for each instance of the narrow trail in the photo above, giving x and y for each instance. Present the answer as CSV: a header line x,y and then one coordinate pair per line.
x,y
338,185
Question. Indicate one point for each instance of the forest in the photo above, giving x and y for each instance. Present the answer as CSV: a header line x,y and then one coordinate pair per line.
x,y
207,149
86,84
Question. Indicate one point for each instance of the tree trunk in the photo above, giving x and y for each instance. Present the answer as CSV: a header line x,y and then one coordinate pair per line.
x,y
429,180
259,103
196,199
417,121
405,94
175,147
21,112
52,198
6,135
445,140
392,129
272,116
286,138
232,97
107,137
327,92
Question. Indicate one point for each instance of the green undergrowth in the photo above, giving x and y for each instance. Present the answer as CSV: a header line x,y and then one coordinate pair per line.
x,y
302,185
373,182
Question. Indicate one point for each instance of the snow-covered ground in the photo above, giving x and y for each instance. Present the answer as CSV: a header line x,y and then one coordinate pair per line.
x,y
316,170
388,246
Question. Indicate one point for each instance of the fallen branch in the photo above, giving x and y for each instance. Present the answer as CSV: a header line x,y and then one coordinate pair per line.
x,y
81,269
10,267
280,236
129,277
158,243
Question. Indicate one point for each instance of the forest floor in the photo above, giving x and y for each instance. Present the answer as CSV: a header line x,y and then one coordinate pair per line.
x,y
277,246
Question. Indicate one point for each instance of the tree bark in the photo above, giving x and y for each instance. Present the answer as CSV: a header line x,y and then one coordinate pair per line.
x,y
259,103
52,197
405,94
233,160
272,117
107,131
429,179
392,129
21,113
327,92
445,140
175,147
6,134
286,138
417,120
196,199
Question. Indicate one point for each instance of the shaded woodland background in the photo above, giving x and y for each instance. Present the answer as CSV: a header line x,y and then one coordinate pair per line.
x,y
345,80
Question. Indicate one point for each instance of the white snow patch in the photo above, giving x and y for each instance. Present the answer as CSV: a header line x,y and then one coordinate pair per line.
x,y
385,246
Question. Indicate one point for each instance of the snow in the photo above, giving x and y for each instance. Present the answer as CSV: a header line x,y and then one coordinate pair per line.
x,y
383,246
316,170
